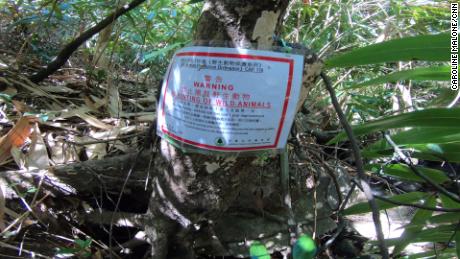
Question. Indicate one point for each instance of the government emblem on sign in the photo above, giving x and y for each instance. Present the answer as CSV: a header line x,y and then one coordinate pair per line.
x,y
220,142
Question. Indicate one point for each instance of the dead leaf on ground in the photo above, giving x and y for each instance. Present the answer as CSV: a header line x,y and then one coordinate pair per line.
x,y
37,156
93,121
82,113
18,157
16,136
114,102
62,152
10,90
2,208
21,106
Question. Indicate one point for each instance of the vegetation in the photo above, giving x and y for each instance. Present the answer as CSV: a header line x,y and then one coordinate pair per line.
x,y
388,64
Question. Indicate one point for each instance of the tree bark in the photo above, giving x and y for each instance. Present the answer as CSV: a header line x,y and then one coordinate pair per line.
x,y
187,194
82,179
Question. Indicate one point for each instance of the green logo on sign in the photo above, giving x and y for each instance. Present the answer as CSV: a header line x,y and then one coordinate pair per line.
x,y
220,141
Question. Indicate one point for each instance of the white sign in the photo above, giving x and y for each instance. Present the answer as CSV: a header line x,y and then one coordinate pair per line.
x,y
230,99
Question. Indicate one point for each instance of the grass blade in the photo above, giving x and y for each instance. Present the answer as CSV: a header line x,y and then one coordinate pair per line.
x,y
425,73
363,207
425,47
432,118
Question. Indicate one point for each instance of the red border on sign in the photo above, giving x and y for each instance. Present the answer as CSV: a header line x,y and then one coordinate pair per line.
x,y
237,56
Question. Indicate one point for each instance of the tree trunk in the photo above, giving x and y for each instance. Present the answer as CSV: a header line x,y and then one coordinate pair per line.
x,y
191,191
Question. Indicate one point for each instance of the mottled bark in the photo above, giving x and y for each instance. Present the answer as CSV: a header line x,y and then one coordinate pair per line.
x,y
240,23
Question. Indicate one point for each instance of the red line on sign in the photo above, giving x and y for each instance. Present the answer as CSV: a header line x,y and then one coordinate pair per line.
x,y
229,55
238,56
210,146
286,100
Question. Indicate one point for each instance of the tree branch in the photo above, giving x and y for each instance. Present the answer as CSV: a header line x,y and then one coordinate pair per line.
x,y
359,166
70,48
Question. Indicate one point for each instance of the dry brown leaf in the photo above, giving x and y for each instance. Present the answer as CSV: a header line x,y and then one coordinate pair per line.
x,y
58,89
147,117
18,157
20,106
98,102
67,113
121,146
2,208
90,103
62,152
114,102
16,136
5,81
35,89
81,112
93,121
95,150
10,91
37,156
97,254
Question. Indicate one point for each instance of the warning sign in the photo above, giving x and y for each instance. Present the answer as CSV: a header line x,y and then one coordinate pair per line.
x,y
230,99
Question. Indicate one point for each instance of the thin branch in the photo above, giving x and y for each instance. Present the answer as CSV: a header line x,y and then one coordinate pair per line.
x,y
98,141
332,175
70,48
31,253
408,161
359,167
330,241
347,198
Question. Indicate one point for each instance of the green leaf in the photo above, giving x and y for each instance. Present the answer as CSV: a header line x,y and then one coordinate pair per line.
x,y
425,47
411,230
449,203
432,118
444,218
419,136
441,233
6,98
67,250
437,152
411,197
195,1
457,243
448,217
57,9
437,234
445,253
32,190
258,251
449,152
424,73
83,243
404,172
159,52
304,248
